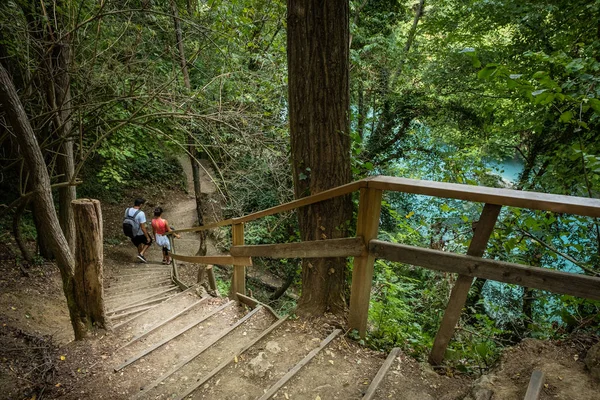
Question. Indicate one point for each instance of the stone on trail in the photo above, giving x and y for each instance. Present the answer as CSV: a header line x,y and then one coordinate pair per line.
x,y
592,361
258,367
273,347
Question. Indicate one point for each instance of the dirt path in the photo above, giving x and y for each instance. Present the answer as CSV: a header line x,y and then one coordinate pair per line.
x,y
181,212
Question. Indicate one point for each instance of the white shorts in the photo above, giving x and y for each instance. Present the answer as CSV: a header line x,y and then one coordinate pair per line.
x,y
163,241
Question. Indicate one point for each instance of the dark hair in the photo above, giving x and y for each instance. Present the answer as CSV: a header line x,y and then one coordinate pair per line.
x,y
158,211
139,201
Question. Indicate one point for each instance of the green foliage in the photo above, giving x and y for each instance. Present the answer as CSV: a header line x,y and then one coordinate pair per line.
x,y
477,82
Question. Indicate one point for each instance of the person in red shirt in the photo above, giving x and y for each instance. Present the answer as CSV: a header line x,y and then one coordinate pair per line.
x,y
160,226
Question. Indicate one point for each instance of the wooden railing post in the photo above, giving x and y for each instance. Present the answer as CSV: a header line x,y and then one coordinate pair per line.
x,y
458,297
238,280
174,272
369,209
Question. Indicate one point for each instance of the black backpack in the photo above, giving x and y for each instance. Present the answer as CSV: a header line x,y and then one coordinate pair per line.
x,y
130,225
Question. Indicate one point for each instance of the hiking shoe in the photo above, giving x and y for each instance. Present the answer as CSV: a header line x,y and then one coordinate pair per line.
x,y
142,258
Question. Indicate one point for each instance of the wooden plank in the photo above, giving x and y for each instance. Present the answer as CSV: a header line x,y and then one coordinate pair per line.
x,y
508,197
136,287
238,279
252,303
536,384
162,323
212,280
144,393
225,363
224,222
145,267
173,272
123,323
143,309
458,296
346,247
127,284
273,389
140,276
381,374
124,295
136,305
577,285
149,350
142,272
369,209
144,300
315,198
218,260
482,194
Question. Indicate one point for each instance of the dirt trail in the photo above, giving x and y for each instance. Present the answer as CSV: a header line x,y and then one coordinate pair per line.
x,y
180,211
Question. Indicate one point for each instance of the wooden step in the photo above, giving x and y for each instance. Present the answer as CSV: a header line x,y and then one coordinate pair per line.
x,y
279,384
137,301
230,360
295,343
117,288
370,393
168,339
186,367
162,310
161,323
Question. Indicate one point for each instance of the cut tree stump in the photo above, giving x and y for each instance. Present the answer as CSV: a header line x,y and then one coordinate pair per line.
x,y
89,259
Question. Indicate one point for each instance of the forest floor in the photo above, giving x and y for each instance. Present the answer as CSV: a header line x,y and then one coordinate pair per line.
x,y
39,358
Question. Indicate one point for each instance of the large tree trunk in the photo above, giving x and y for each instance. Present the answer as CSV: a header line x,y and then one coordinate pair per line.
x,y
318,37
42,197
191,144
362,111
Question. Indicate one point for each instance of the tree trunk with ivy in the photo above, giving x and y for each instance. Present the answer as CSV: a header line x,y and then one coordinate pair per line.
x,y
193,153
318,39
47,220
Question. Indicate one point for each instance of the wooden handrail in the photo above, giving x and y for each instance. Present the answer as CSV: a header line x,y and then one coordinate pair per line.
x,y
469,266
315,198
345,247
218,260
579,285
583,206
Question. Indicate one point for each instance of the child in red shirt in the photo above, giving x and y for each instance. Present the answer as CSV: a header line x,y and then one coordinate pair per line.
x,y
160,226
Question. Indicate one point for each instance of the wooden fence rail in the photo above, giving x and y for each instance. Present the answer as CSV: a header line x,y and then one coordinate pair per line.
x,y
365,247
577,285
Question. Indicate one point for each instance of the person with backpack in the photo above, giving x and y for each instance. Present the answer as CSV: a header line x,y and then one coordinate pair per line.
x,y
160,227
134,227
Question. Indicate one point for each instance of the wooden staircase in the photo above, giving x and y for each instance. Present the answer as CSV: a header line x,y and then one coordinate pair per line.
x,y
178,344
172,343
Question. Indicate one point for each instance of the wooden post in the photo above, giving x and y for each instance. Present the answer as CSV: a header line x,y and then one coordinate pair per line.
x,y
174,272
212,280
238,280
536,385
89,258
458,297
369,209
